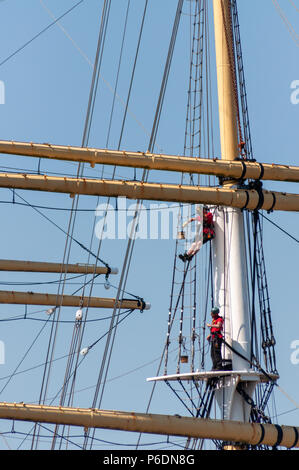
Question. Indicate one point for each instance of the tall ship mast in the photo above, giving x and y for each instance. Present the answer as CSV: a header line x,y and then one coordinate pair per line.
x,y
217,267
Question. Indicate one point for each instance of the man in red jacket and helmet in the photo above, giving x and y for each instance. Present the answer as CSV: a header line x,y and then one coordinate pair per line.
x,y
208,233
216,338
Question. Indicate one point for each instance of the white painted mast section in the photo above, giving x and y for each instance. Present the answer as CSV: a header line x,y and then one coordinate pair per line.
x,y
231,283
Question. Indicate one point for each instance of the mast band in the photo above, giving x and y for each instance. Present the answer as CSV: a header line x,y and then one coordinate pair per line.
x,y
242,177
247,200
262,435
279,435
142,304
296,438
274,202
262,171
261,199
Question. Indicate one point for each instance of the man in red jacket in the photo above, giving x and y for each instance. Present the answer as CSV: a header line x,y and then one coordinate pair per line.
x,y
215,338
208,225
208,234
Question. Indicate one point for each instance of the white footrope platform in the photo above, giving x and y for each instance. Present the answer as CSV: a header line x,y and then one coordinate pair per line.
x,y
245,375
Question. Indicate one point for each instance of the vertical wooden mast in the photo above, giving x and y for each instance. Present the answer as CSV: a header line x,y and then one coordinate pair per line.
x,y
231,283
226,90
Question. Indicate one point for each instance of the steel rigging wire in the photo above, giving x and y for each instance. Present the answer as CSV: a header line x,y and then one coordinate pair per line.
x,y
192,120
13,432
77,338
72,219
16,372
157,117
48,363
194,137
24,371
88,127
132,238
67,209
170,322
36,208
25,355
193,145
127,258
128,255
129,252
232,30
41,32
192,131
258,268
74,371
78,335
101,46
292,32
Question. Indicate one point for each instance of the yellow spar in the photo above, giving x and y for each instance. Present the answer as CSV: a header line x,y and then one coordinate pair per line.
x,y
234,431
218,167
233,197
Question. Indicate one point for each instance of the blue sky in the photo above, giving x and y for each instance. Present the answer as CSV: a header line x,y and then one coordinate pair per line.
x,y
46,94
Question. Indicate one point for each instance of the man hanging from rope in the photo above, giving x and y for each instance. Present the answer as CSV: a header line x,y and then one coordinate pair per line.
x,y
216,338
204,233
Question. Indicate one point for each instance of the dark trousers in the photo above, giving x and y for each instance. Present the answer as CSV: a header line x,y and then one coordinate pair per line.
x,y
216,353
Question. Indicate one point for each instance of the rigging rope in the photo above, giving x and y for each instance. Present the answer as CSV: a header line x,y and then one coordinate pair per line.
x,y
41,32
192,145
117,77
127,260
72,219
36,208
280,228
242,85
126,264
229,40
293,34
258,268
23,358
192,131
152,141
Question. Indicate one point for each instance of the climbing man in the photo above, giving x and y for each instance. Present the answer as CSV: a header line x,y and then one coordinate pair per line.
x,y
207,234
215,338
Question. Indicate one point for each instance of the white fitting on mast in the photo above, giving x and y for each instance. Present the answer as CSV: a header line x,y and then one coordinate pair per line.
x,y
231,283
238,279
